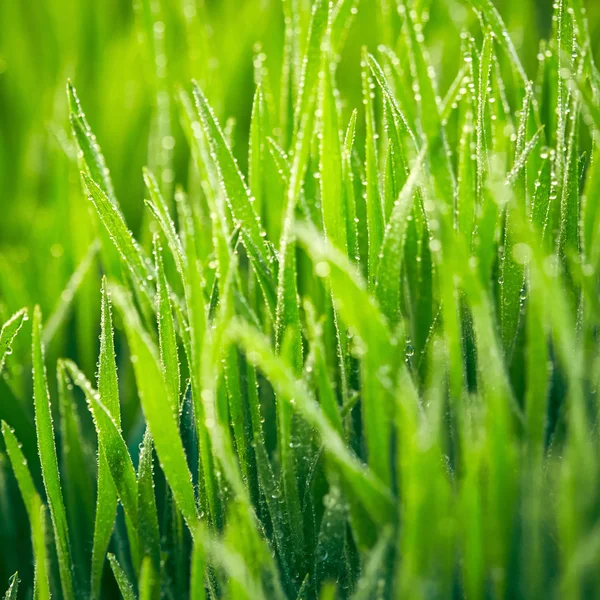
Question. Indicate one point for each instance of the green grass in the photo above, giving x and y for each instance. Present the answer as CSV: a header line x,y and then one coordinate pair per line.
x,y
327,327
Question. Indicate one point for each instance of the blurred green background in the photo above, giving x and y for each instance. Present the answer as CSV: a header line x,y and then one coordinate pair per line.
x,y
127,59
104,48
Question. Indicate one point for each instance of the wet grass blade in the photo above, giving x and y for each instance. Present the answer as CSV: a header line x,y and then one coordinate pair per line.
x,y
147,515
161,420
92,157
13,587
114,449
128,248
48,458
364,485
167,338
239,200
121,578
35,511
9,332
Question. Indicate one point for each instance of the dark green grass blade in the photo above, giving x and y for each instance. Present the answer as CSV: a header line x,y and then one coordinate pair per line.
x,y
75,468
366,487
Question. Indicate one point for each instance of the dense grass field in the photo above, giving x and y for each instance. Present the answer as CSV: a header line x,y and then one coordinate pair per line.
x,y
300,299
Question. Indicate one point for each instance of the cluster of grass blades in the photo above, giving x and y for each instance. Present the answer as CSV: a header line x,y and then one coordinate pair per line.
x,y
366,368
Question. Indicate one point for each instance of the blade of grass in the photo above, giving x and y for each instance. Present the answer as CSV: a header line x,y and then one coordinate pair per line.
x,y
47,451
35,512
13,587
9,332
121,578
159,416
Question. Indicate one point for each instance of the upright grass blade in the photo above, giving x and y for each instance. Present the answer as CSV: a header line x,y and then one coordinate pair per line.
x,y
106,500
75,464
48,459
36,512
167,339
148,584
147,515
197,588
312,59
501,33
197,318
332,197
375,222
9,332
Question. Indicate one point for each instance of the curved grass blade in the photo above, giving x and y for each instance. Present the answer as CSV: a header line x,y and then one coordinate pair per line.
x,y
115,450
390,261
343,15
159,416
123,239
240,201
9,332
93,160
372,339
159,209
48,459
106,499
35,512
